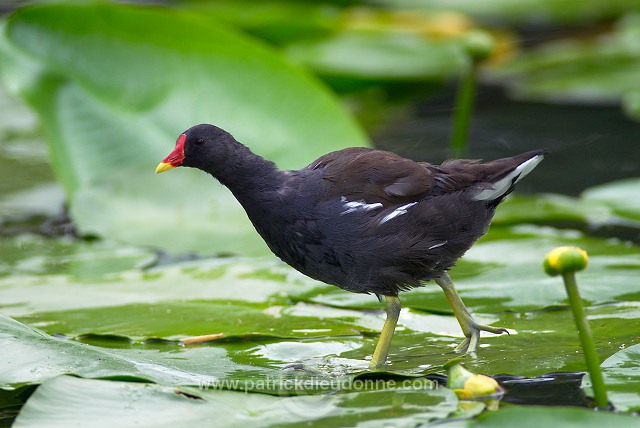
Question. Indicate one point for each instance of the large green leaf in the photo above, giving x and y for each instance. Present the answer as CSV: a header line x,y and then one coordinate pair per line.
x,y
379,55
279,22
611,209
172,320
621,373
362,44
568,417
95,403
30,356
620,196
113,93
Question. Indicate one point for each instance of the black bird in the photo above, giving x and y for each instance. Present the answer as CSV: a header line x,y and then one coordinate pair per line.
x,y
365,220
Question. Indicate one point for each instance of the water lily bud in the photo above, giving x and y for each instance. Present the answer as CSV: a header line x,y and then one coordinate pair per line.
x,y
478,44
564,260
457,375
468,385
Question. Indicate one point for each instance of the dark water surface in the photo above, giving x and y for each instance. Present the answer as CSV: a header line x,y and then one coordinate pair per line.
x,y
588,144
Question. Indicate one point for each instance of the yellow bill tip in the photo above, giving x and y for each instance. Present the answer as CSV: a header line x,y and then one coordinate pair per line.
x,y
163,166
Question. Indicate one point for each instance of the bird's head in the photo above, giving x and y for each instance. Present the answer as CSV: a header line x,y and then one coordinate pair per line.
x,y
199,147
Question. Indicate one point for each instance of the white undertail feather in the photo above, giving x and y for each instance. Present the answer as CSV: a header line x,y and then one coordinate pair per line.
x,y
503,185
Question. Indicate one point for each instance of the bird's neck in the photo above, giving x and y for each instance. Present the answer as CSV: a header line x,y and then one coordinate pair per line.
x,y
246,174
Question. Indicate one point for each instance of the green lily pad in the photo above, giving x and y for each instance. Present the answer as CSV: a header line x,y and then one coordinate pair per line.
x,y
156,406
282,316
539,342
379,55
271,315
45,275
621,373
610,209
175,320
32,255
553,209
30,356
278,22
92,74
553,416
621,196
533,12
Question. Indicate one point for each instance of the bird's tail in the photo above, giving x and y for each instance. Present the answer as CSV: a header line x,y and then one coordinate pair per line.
x,y
504,181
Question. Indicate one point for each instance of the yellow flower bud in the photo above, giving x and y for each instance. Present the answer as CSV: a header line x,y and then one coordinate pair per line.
x,y
480,385
565,259
472,386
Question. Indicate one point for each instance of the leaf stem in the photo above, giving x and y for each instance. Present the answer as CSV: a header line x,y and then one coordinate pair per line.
x,y
586,339
463,109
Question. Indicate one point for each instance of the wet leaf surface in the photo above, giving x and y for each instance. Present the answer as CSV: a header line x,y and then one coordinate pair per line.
x,y
103,403
271,316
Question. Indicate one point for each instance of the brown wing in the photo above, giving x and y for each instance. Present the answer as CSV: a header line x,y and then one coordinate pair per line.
x,y
374,176
379,176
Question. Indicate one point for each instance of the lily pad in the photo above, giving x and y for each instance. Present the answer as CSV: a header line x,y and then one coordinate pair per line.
x,y
271,315
30,356
609,209
546,340
549,416
620,196
278,22
44,275
91,73
621,373
175,320
378,55
156,406
532,12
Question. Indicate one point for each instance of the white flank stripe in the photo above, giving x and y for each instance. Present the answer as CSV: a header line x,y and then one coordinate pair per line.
x,y
398,211
352,206
501,186
437,245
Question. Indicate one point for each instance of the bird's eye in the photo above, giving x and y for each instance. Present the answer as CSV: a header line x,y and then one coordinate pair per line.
x,y
199,141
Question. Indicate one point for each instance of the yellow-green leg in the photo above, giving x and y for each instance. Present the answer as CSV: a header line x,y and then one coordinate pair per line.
x,y
470,327
382,348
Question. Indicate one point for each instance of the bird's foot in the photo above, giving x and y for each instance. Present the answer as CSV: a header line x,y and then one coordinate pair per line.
x,y
472,336
470,327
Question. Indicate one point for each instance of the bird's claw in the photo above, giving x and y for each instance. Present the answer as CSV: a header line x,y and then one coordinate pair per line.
x,y
472,336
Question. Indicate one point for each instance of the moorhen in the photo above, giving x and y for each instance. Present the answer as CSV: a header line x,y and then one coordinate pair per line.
x,y
366,220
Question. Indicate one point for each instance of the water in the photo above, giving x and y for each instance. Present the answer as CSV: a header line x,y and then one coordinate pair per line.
x,y
588,144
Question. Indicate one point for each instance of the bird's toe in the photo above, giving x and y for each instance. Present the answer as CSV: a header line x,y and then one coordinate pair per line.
x,y
472,336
